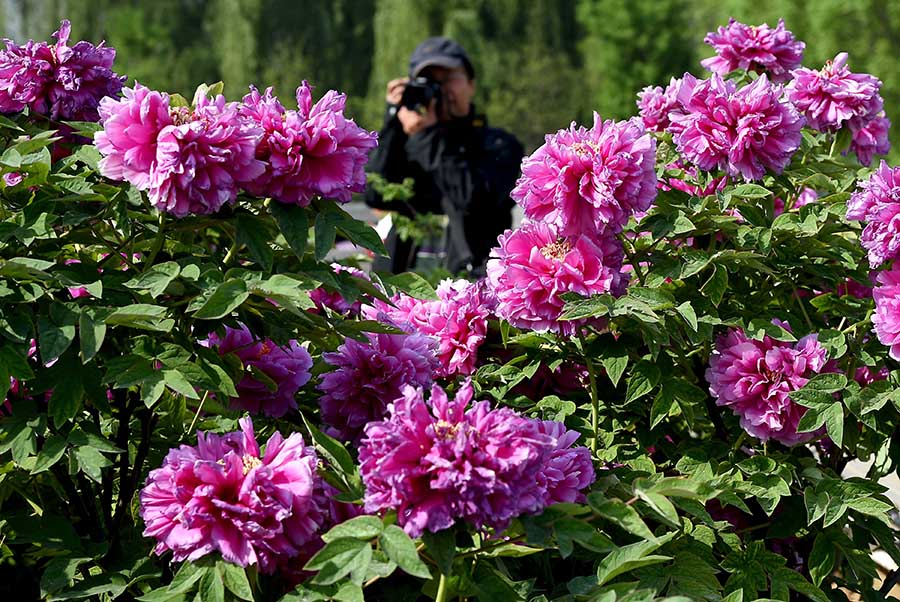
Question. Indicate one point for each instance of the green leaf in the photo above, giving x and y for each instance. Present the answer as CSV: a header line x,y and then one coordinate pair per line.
x,y
157,279
293,223
235,580
621,514
614,360
253,232
112,584
760,328
340,558
176,381
227,297
325,229
714,288
822,558
411,284
830,382
401,549
750,191
50,454
91,462
630,557
363,527
91,333
331,217
687,312
441,547
56,332
212,587
644,376
68,393
60,572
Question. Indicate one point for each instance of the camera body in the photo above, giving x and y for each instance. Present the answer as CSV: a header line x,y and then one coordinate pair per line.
x,y
419,92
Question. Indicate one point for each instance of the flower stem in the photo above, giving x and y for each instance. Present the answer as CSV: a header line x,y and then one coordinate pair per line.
x,y
595,400
442,589
197,414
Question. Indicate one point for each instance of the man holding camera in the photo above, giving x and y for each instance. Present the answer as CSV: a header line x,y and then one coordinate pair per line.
x,y
460,167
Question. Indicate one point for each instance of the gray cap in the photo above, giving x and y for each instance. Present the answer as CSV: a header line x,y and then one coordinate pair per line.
x,y
439,52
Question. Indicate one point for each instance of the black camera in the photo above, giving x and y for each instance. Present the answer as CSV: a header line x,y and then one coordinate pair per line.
x,y
419,93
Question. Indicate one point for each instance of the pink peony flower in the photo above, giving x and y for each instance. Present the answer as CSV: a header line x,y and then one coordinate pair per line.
x,y
754,379
743,132
369,376
225,496
756,48
333,300
877,202
131,128
315,150
886,318
690,182
202,157
534,266
82,77
13,178
589,180
457,321
866,375
655,104
287,366
870,137
834,95
443,461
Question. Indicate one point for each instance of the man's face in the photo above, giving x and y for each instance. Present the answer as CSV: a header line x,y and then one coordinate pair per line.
x,y
458,90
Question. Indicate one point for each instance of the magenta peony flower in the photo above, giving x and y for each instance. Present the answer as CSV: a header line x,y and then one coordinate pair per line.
x,y
224,495
692,185
756,48
886,319
83,76
870,137
834,95
202,157
287,366
754,378
443,461
877,202
13,178
866,375
315,150
743,132
369,376
333,300
131,128
457,321
25,73
655,104
534,266
589,181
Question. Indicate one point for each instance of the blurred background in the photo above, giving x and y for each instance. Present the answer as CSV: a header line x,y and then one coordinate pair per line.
x,y
540,64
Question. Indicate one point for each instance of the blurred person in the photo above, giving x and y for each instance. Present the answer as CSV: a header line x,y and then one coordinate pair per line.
x,y
460,167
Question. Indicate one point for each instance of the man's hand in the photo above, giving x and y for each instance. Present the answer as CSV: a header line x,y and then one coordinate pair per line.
x,y
411,121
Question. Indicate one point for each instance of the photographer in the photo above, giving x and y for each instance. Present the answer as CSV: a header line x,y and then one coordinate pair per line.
x,y
460,167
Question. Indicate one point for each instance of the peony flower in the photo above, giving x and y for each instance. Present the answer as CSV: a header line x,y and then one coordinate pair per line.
x,y
655,104
315,150
457,321
756,48
225,496
886,318
589,180
743,132
333,300
534,266
754,379
286,366
25,73
877,202
83,76
870,137
202,157
834,95
693,187
371,375
13,178
443,461
866,375
128,140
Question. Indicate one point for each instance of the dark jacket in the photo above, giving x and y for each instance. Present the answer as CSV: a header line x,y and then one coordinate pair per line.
x,y
461,168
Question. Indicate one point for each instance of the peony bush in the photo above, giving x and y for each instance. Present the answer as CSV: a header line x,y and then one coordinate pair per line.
x,y
678,380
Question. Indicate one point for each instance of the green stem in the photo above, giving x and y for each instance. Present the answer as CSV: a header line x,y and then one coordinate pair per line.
x,y
595,400
197,414
442,589
159,241
631,259
803,310
231,253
